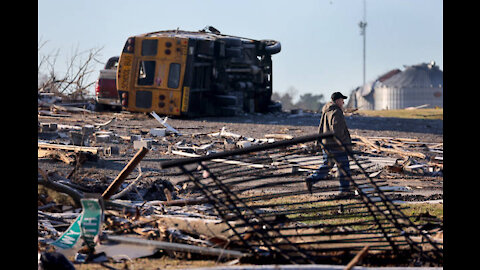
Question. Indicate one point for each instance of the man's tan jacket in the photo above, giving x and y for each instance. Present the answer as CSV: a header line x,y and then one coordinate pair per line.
x,y
334,120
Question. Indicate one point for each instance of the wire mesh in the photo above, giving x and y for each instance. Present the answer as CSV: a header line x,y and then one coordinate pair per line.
x,y
260,193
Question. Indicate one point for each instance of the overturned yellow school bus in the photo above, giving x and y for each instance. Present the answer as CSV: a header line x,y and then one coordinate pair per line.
x,y
199,73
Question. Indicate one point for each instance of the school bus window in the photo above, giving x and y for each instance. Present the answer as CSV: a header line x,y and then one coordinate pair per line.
x,y
146,73
174,75
149,47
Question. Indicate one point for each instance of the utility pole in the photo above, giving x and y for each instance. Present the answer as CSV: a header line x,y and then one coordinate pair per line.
x,y
363,28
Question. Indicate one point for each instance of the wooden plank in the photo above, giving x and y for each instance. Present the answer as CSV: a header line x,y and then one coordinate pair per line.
x,y
181,202
70,109
389,150
50,115
56,154
124,173
436,146
435,164
200,226
357,258
279,136
386,138
93,150
234,162
164,123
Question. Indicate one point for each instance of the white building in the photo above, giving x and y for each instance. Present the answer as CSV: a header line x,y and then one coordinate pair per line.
x,y
417,85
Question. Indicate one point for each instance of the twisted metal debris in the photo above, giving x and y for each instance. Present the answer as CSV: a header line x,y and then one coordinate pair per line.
x,y
259,192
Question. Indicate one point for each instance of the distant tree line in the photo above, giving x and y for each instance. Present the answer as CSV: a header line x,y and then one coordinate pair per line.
x,y
306,102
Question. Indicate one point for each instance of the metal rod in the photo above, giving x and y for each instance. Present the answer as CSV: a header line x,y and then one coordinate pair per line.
x,y
178,247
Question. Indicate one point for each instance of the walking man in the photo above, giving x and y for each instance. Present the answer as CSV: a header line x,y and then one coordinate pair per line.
x,y
333,120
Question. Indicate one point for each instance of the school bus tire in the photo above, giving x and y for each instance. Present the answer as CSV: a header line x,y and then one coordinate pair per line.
x,y
271,46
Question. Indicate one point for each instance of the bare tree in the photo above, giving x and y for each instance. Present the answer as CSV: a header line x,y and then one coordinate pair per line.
x,y
73,83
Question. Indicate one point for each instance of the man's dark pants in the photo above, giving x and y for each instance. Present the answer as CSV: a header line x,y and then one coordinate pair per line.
x,y
328,163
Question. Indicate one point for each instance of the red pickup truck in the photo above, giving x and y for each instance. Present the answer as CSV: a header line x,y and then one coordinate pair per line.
x,y
106,95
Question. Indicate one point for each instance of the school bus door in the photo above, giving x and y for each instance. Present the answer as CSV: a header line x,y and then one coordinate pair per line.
x,y
157,86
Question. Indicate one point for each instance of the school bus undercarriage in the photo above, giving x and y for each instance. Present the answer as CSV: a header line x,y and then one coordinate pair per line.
x,y
200,73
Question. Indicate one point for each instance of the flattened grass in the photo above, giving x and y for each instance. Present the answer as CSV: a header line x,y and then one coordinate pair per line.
x,y
330,212
436,113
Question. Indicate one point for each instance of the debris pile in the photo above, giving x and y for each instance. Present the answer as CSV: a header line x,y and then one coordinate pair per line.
x,y
417,157
223,197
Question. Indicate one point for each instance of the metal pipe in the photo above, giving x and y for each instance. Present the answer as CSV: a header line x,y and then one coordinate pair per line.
x,y
178,247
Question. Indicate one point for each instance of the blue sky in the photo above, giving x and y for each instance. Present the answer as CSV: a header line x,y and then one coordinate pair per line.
x,y
322,49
